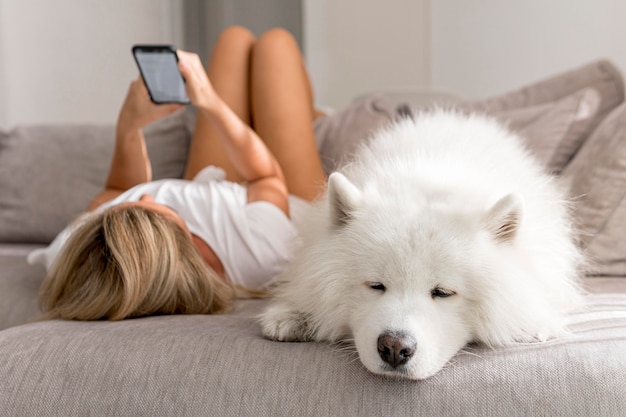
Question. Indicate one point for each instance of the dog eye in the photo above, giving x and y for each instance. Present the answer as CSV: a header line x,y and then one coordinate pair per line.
x,y
378,286
439,292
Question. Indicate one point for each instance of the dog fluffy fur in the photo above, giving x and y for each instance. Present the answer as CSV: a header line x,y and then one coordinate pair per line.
x,y
442,231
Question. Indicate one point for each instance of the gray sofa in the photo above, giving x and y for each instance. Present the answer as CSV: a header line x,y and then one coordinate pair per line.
x,y
220,365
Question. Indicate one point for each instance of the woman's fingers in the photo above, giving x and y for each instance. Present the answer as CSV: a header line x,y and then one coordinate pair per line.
x,y
198,85
138,110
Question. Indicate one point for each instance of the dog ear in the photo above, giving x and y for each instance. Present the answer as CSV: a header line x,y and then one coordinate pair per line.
x,y
343,198
504,218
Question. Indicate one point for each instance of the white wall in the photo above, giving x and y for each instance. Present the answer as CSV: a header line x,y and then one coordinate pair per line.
x,y
69,60
474,48
485,47
358,46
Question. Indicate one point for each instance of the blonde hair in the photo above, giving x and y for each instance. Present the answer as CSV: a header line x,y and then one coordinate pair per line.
x,y
131,262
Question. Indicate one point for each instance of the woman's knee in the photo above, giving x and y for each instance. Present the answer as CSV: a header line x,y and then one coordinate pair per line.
x,y
278,41
235,37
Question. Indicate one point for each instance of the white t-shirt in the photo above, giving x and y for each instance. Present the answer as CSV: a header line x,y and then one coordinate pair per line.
x,y
252,240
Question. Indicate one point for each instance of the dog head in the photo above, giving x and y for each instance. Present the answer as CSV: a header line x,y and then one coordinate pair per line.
x,y
415,273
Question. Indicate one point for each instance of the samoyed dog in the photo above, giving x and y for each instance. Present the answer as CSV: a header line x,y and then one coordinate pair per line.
x,y
443,231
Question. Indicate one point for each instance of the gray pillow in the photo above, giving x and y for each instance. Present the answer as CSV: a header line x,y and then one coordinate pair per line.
x,y
600,81
340,134
600,75
555,131
48,174
597,176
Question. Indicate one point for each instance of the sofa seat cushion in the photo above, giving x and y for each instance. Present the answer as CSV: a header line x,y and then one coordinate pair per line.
x,y
221,365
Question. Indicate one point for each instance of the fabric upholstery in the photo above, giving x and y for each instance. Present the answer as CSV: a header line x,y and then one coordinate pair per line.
x,y
554,131
340,134
46,179
222,366
48,174
600,75
607,250
597,177
601,84
19,283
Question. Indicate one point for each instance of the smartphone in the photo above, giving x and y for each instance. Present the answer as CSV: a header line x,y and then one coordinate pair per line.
x,y
158,65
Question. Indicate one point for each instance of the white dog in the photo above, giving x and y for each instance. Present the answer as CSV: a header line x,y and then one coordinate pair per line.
x,y
443,231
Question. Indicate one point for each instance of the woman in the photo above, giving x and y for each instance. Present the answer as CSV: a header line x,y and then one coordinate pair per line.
x,y
184,246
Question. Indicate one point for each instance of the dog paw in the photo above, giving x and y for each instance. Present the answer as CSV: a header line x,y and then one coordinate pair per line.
x,y
542,333
284,324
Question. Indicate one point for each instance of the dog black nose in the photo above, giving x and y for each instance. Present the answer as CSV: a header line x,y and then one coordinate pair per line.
x,y
396,348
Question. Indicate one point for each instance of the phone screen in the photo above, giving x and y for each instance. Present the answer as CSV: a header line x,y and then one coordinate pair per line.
x,y
159,69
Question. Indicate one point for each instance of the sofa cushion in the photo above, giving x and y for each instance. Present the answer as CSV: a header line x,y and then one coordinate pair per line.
x,y
48,174
600,75
554,131
597,177
599,85
607,250
221,365
339,135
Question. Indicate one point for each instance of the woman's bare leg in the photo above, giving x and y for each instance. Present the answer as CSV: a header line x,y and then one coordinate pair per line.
x,y
283,113
229,72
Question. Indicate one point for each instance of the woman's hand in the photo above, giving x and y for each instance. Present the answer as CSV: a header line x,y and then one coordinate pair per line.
x,y
197,83
139,111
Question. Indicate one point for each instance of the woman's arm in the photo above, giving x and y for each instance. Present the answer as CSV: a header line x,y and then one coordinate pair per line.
x,y
248,154
130,164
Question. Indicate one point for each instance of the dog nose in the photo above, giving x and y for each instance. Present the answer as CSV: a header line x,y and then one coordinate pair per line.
x,y
396,348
